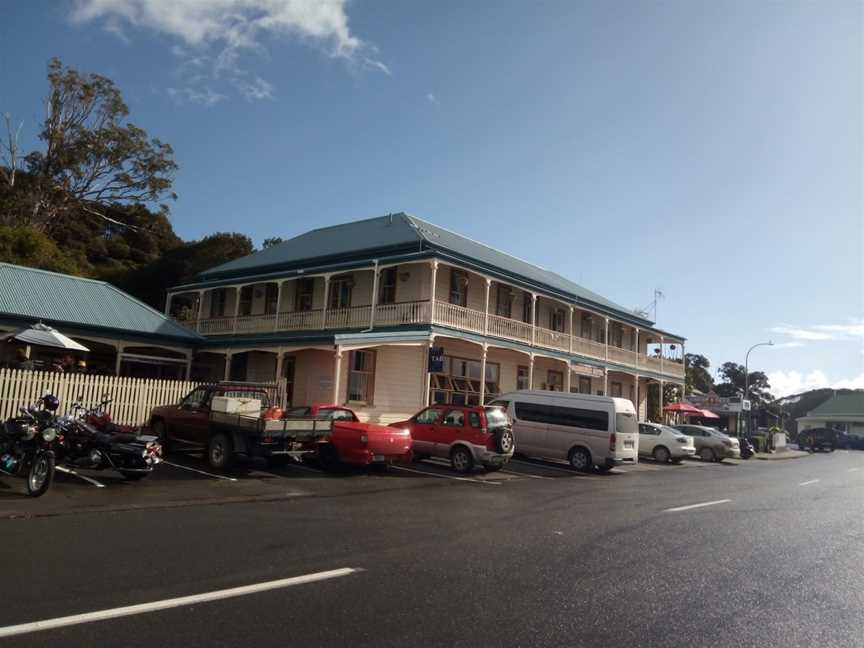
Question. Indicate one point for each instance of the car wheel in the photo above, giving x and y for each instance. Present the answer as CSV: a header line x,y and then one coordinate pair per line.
x,y
161,432
707,454
461,459
504,441
677,460
661,454
220,452
580,459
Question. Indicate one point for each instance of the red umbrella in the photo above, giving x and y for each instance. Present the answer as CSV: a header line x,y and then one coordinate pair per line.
x,y
684,408
709,414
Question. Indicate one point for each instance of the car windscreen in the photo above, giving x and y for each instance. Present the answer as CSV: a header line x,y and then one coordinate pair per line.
x,y
496,418
625,423
675,432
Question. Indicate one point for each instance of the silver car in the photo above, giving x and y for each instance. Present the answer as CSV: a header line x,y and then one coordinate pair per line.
x,y
711,444
664,444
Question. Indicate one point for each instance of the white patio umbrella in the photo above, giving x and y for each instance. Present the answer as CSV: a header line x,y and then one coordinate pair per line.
x,y
43,335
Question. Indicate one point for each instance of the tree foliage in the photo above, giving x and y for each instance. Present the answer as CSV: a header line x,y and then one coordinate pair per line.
x,y
92,157
698,377
733,384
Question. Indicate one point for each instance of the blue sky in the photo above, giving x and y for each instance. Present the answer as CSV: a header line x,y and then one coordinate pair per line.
x,y
712,150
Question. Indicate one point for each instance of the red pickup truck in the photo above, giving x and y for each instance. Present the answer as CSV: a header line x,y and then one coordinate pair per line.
x,y
353,442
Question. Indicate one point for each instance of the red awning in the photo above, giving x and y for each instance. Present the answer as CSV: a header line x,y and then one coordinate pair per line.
x,y
684,408
709,414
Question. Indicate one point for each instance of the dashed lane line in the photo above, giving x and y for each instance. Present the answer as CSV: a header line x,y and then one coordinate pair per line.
x,y
807,483
165,604
694,506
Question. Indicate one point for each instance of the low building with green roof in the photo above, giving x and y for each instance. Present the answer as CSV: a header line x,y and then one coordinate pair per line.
x,y
391,313
843,412
125,336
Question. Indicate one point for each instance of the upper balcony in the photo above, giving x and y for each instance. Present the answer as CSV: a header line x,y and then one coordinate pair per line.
x,y
420,294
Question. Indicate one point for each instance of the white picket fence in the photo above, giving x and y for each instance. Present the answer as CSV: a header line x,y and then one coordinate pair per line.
x,y
132,398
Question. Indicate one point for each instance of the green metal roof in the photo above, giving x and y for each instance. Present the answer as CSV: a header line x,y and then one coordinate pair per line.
x,y
30,294
398,234
841,405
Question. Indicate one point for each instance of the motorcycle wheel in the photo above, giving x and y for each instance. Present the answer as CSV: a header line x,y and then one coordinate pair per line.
x,y
40,474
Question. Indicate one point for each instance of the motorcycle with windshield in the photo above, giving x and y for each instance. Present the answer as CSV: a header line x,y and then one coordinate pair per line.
x,y
26,445
88,438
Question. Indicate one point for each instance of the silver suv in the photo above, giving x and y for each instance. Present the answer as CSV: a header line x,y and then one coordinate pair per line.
x,y
711,444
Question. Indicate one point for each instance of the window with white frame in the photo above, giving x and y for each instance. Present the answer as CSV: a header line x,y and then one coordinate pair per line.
x,y
503,300
218,300
459,382
340,292
361,376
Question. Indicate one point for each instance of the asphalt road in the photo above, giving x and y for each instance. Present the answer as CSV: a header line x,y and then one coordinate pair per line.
x,y
536,556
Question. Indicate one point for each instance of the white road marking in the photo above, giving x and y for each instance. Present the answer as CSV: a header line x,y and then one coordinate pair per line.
x,y
201,472
529,476
142,608
69,471
807,483
431,474
852,470
561,469
693,506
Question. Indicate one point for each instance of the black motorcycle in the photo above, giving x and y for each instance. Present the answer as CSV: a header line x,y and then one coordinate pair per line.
x,y
26,445
82,445
747,448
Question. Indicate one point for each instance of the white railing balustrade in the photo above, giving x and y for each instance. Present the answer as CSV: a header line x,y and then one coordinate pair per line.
x,y
299,320
416,312
552,339
459,317
255,323
509,328
351,317
591,348
216,326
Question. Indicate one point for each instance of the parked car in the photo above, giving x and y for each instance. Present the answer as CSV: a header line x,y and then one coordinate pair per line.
x,y
711,444
850,441
197,423
466,435
353,442
664,444
818,439
585,430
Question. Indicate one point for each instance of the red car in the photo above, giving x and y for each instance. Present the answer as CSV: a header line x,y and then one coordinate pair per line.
x,y
353,442
463,434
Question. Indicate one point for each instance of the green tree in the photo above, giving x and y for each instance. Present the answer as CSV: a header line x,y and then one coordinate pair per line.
x,y
698,377
27,247
733,384
92,156
270,242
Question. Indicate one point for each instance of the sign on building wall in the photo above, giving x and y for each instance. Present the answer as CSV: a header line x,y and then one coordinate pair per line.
x,y
436,359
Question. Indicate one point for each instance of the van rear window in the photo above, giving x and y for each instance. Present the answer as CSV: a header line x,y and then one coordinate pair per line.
x,y
558,415
625,423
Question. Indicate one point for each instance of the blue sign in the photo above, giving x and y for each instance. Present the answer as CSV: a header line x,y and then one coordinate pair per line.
x,y
436,359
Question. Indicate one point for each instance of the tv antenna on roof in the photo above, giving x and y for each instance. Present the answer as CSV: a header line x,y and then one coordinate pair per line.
x,y
658,295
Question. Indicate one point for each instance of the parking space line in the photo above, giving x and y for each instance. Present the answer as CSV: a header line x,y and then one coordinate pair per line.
x,y
165,604
518,474
693,506
807,483
431,474
200,472
69,471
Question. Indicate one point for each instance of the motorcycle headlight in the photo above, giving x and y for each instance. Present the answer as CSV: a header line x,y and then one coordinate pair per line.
x,y
49,434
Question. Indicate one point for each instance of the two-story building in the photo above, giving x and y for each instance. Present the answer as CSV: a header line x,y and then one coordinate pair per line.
x,y
354,312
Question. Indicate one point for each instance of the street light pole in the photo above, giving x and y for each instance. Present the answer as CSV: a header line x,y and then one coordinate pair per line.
x,y
747,377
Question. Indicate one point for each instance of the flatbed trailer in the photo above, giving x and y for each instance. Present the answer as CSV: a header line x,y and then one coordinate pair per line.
x,y
254,436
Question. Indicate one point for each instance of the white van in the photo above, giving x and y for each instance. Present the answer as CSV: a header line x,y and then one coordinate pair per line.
x,y
585,430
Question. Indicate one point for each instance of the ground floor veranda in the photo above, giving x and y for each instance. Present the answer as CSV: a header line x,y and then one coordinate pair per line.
x,y
388,378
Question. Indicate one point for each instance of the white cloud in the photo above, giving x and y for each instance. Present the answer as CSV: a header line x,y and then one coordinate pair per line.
x,y
855,329
227,28
785,383
801,333
258,88
205,97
